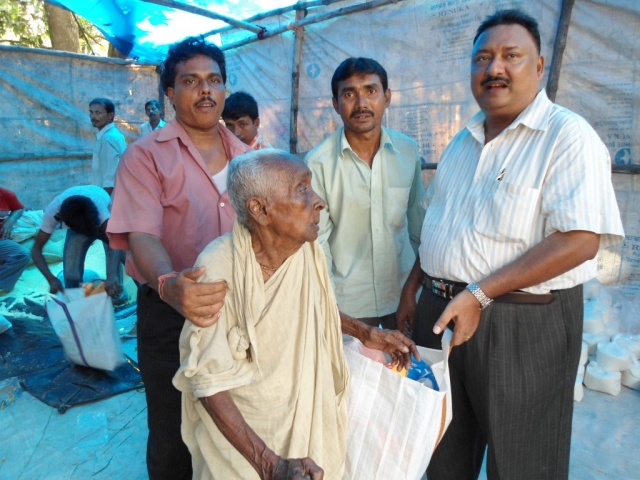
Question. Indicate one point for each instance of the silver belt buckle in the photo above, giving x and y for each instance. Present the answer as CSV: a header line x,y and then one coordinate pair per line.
x,y
441,289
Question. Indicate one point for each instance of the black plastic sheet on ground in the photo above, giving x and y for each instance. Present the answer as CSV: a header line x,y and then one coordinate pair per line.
x,y
70,385
31,351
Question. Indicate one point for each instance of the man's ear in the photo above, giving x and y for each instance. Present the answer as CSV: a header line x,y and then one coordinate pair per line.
x,y
257,208
335,105
256,122
387,97
170,94
540,67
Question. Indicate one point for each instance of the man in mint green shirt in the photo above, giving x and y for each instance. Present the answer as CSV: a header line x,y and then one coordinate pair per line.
x,y
370,178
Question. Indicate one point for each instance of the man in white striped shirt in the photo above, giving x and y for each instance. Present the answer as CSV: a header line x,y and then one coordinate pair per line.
x,y
520,204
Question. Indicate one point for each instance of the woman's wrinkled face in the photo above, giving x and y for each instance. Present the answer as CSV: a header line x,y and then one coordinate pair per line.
x,y
294,209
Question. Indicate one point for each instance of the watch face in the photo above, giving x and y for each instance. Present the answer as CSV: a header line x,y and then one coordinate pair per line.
x,y
4,214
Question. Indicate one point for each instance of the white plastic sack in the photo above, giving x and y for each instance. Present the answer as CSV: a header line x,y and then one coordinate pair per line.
x,y
27,225
86,328
395,423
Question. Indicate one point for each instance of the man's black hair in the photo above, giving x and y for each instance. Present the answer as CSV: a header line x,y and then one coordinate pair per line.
x,y
108,105
358,66
511,17
80,214
240,104
186,50
153,102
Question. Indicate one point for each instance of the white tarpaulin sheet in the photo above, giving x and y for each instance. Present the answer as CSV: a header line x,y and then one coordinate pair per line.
x,y
47,137
424,46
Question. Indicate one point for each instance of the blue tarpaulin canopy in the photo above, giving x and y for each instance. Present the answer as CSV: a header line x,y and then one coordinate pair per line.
x,y
143,29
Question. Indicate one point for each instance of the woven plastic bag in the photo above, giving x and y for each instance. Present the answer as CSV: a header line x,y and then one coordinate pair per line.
x,y
86,327
395,423
27,225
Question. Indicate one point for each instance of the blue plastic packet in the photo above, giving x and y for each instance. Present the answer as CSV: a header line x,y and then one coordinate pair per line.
x,y
422,373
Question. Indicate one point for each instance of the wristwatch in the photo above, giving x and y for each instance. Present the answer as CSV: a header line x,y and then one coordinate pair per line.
x,y
480,295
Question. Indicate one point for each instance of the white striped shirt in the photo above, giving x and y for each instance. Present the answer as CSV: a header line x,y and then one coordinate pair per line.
x,y
488,204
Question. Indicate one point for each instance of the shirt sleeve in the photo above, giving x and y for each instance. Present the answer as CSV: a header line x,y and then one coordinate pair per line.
x,y
415,211
12,201
109,158
207,364
578,193
49,223
137,198
326,224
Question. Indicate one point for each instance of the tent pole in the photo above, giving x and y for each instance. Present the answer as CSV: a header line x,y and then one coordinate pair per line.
x,y
312,19
160,92
295,84
276,12
558,48
206,13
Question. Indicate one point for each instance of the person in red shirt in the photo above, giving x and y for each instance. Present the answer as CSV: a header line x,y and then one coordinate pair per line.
x,y
14,257
169,202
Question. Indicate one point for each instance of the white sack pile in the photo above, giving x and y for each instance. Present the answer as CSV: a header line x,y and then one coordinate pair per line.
x,y
610,356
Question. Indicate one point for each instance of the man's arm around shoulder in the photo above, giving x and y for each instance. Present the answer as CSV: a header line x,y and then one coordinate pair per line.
x,y
199,302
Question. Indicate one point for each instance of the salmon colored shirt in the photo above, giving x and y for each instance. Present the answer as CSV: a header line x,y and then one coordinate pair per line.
x,y
164,188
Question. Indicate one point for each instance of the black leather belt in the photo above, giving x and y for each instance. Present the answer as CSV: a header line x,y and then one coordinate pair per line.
x,y
449,289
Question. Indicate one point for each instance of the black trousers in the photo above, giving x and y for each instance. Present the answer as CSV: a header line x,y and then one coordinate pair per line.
x,y
388,321
159,327
512,389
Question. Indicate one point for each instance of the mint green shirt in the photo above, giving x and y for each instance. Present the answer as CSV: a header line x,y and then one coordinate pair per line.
x,y
370,230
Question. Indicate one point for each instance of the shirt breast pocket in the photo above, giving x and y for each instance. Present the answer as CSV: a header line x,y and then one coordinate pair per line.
x,y
507,213
396,207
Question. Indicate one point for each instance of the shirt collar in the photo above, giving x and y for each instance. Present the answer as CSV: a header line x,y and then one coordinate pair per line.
x,y
172,130
535,116
161,124
105,129
232,145
385,140
256,143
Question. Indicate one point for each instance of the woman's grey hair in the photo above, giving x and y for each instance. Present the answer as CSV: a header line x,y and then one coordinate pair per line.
x,y
254,175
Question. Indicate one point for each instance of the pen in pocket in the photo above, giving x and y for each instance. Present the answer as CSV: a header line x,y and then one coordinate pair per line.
x,y
498,179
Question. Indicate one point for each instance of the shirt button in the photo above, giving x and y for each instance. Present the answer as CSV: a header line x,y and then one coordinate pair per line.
x,y
222,204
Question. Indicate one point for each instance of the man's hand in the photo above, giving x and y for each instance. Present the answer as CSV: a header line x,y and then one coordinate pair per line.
x,y
297,469
55,286
464,310
7,228
113,289
406,312
199,302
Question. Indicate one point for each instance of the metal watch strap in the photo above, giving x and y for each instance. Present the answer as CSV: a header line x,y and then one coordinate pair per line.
x,y
480,295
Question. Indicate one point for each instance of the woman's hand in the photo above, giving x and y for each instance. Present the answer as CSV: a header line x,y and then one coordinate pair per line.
x,y
297,469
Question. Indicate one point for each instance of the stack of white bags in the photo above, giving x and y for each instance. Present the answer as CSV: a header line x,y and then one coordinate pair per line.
x,y
611,343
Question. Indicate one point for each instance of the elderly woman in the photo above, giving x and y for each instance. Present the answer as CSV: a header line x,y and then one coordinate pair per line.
x,y
264,388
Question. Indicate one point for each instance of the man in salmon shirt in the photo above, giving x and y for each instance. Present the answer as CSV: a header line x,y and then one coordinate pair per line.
x,y
170,201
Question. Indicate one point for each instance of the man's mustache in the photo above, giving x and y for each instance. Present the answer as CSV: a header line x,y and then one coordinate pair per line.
x,y
361,112
495,79
206,100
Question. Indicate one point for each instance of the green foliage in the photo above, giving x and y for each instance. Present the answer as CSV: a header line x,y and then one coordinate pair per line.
x,y
92,42
22,22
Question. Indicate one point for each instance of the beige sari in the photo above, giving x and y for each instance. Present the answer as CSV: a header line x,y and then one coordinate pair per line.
x,y
292,392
